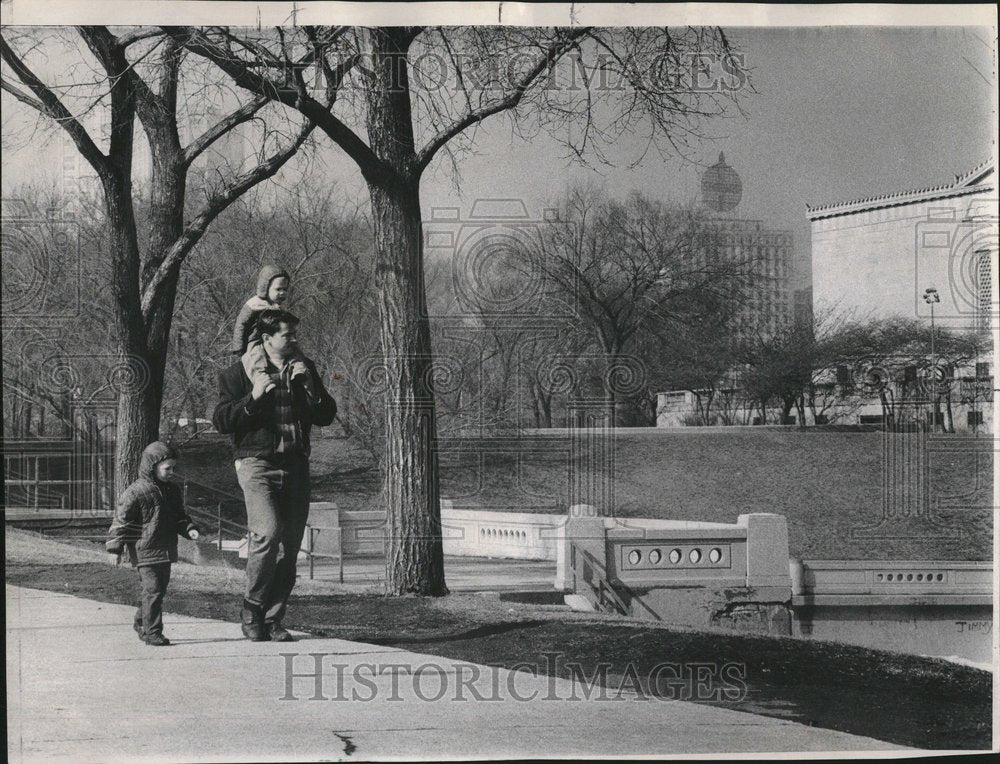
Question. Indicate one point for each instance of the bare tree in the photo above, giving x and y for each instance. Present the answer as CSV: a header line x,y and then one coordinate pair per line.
x,y
392,117
632,270
697,356
141,74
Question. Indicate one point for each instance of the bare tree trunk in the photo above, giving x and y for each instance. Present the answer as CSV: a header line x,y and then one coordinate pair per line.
x,y
415,560
949,417
415,557
138,402
786,409
536,410
545,401
699,408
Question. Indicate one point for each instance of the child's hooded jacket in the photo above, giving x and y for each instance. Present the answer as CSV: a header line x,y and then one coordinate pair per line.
x,y
150,514
246,321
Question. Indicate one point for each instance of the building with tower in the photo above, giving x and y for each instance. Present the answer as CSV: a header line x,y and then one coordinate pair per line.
x,y
766,307
929,254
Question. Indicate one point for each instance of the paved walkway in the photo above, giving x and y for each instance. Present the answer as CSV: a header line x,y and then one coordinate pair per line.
x,y
82,688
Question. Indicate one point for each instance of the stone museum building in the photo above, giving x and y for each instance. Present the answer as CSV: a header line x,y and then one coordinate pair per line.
x,y
929,253
877,256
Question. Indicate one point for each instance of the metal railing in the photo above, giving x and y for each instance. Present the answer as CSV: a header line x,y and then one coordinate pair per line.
x,y
310,549
604,590
222,524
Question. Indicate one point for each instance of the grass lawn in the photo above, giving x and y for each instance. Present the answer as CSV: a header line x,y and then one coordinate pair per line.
x,y
920,702
827,483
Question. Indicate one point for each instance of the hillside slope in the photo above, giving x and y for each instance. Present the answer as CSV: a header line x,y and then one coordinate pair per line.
x,y
828,484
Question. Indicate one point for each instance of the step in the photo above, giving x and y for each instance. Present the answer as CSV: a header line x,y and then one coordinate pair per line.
x,y
208,553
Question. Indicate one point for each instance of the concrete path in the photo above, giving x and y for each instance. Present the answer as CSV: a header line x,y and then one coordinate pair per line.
x,y
82,688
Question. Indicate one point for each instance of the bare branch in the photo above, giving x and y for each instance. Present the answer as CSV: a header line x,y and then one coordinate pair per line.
x,y
222,127
425,155
125,86
289,94
50,105
137,35
23,97
111,54
194,230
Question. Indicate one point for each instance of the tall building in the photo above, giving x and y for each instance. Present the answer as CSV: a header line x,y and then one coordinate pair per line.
x,y
802,306
766,254
877,256
227,154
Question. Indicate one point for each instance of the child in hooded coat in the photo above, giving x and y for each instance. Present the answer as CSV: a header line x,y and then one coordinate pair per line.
x,y
148,519
272,291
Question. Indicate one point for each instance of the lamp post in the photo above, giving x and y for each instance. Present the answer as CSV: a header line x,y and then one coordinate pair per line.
x,y
931,296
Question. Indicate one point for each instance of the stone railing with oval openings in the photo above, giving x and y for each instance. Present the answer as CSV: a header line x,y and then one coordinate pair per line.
x,y
890,582
734,575
517,535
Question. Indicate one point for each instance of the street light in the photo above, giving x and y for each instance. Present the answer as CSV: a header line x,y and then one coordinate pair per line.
x,y
931,296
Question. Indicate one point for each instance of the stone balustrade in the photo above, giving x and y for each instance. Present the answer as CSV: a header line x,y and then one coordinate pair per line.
x,y
689,573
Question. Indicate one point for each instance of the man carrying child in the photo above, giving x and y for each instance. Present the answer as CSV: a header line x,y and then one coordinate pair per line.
x,y
269,417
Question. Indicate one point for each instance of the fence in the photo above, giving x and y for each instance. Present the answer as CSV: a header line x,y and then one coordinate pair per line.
x,y
57,475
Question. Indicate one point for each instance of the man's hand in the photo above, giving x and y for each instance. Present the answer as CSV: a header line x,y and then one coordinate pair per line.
x,y
262,385
193,534
299,369
115,559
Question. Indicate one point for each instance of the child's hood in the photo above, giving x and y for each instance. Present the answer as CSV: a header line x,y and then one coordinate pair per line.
x,y
268,274
153,454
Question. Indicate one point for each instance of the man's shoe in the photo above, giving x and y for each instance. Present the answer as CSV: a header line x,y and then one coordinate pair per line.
x,y
255,632
279,633
157,640
252,622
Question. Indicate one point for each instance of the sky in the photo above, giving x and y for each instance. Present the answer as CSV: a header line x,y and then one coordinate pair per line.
x,y
838,113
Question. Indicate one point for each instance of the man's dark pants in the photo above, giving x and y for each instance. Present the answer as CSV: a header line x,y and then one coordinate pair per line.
x,y
153,580
276,491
